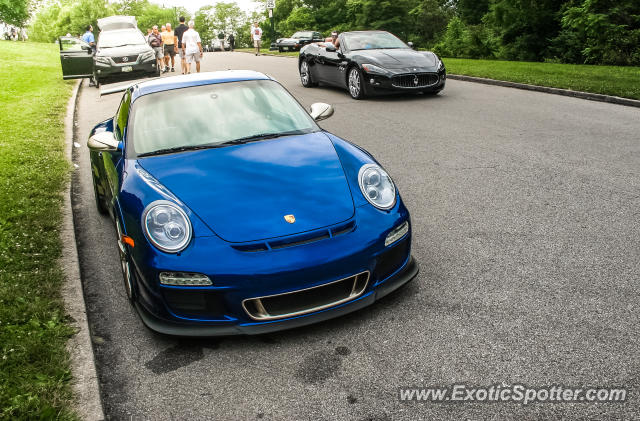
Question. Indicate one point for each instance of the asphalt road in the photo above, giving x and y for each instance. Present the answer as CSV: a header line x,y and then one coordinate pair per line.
x,y
525,218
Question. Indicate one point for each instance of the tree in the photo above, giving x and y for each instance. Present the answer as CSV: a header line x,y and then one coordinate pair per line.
x,y
524,28
600,32
15,12
472,11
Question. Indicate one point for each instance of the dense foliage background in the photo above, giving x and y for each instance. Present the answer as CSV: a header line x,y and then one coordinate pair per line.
x,y
570,31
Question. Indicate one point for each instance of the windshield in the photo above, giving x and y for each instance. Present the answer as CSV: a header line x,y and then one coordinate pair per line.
x,y
299,35
109,39
213,115
372,40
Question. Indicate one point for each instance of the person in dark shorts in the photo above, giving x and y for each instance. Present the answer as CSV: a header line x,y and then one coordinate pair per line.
x,y
179,31
168,39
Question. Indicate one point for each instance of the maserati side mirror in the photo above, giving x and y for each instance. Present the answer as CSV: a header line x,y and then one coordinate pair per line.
x,y
410,44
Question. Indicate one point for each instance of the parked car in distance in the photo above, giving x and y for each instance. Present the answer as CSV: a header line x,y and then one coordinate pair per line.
x,y
246,217
219,45
371,62
298,40
121,52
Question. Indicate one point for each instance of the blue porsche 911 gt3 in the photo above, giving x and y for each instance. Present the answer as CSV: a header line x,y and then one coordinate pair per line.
x,y
237,214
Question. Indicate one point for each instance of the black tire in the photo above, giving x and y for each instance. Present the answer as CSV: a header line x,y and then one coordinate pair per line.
x,y
100,205
280,49
305,75
355,85
128,272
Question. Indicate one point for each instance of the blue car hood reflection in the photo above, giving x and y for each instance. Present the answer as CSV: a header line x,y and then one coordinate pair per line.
x,y
243,192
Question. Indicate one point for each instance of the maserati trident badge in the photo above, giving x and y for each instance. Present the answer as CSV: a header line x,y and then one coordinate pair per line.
x,y
290,218
415,80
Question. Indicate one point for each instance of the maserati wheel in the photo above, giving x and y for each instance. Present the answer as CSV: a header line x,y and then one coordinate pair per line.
x,y
305,75
356,89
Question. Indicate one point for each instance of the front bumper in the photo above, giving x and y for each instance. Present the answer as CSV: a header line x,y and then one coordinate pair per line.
x,y
421,81
290,46
406,274
104,70
242,275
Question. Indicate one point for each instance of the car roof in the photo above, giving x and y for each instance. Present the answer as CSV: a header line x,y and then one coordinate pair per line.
x,y
196,79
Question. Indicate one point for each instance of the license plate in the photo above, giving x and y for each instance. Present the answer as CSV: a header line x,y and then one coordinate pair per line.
x,y
127,68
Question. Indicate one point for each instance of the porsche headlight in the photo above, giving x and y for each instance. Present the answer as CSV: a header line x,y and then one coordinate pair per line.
x,y
373,69
166,226
376,186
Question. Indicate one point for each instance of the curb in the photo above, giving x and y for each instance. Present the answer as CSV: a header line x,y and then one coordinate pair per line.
x,y
555,91
86,390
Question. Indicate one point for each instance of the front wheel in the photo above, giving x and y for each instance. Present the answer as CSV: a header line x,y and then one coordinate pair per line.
x,y
355,84
102,209
305,75
126,266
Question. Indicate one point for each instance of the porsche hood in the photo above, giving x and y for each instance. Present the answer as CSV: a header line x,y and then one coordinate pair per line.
x,y
244,192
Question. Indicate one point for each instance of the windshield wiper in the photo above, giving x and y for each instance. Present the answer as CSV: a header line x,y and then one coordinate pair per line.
x,y
179,149
261,136
247,139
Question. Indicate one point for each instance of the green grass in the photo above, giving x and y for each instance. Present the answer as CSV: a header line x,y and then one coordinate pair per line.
x,y
34,365
267,52
608,80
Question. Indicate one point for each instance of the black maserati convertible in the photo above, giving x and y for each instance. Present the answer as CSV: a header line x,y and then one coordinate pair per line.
x,y
371,62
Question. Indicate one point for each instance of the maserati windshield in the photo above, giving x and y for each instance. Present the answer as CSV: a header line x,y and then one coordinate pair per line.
x,y
372,40
216,115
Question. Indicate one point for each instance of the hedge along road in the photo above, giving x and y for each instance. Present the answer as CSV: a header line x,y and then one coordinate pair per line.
x,y
524,210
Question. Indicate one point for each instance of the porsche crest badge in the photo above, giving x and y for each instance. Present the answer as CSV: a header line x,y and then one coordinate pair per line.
x,y
290,218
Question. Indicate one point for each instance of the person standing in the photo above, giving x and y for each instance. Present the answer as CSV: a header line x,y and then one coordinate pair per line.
x,y
192,46
256,34
232,41
180,30
89,38
155,41
168,39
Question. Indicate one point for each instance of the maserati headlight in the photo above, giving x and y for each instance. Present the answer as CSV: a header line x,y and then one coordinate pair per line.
x,y
373,69
440,64
166,226
376,186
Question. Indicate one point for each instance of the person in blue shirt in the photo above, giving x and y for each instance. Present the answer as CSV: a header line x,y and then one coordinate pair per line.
x,y
88,37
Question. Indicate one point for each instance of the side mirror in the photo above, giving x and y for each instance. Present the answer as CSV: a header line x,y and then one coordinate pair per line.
x,y
410,44
103,141
330,47
321,111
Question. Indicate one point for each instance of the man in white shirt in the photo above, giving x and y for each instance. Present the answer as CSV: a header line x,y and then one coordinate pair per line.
x,y
192,47
256,35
